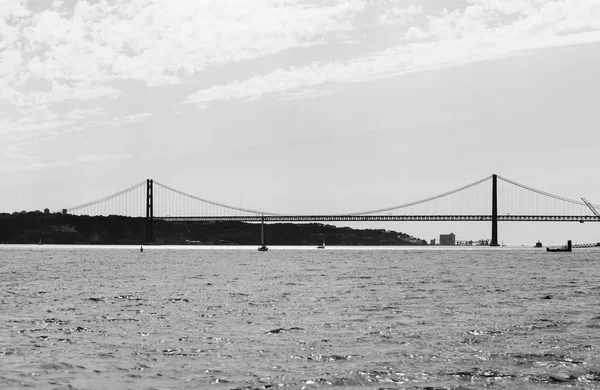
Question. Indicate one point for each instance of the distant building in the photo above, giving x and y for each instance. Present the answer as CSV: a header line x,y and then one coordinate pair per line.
x,y
432,242
46,211
447,239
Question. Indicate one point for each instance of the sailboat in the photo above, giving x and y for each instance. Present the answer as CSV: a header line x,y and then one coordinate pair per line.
x,y
262,247
322,246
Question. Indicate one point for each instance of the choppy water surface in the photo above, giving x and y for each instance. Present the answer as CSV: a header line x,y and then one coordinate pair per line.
x,y
105,318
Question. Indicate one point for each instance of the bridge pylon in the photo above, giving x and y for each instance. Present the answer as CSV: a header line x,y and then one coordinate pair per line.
x,y
494,240
149,210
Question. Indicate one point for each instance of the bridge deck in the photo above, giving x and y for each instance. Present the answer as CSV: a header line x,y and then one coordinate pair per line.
x,y
349,218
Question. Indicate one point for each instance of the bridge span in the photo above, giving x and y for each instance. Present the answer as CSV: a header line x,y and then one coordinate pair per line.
x,y
492,199
386,218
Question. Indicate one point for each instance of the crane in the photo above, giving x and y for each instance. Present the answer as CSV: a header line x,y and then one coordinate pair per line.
x,y
591,207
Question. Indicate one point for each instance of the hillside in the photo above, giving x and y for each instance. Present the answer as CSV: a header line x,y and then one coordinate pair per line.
x,y
31,227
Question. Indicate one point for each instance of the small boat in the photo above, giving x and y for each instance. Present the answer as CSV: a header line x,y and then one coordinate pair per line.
x,y
263,248
566,248
561,249
322,246
538,244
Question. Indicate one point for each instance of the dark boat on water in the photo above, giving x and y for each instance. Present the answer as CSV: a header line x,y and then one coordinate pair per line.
x,y
566,248
538,244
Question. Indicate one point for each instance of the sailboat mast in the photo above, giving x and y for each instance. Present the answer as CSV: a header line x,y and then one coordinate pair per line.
x,y
262,230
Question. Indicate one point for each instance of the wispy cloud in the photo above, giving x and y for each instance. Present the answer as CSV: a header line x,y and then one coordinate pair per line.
x,y
41,165
74,52
81,91
42,124
304,94
400,14
31,125
482,31
135,117
159,41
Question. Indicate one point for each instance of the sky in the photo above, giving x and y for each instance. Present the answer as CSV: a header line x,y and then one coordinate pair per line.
x,y
299,106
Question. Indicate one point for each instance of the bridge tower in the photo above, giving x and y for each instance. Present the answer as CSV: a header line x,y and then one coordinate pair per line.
x,y
494,241
149,211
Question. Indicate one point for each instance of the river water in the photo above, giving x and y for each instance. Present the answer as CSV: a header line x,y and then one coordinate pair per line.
x,y
236,318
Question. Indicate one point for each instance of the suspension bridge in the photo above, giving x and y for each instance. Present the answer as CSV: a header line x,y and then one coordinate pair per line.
x,y
494,199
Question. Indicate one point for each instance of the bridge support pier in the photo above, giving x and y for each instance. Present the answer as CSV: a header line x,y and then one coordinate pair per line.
x,y
494,241
149,211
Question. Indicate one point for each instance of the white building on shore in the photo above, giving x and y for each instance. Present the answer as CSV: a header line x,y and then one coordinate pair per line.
x,y
447,239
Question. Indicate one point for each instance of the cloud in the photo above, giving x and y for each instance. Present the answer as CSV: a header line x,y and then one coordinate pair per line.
x,y
60,92
160,42
40,123
75,51
304,94
482,31
25,128
100,158
401,15
40,165
136,117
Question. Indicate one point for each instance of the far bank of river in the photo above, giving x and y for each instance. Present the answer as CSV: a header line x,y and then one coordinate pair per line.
x,y
32,228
